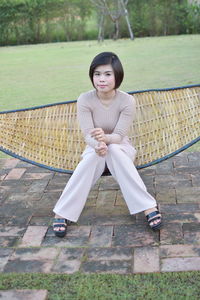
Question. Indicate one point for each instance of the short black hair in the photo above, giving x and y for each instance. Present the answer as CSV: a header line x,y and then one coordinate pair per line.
x,y
108,58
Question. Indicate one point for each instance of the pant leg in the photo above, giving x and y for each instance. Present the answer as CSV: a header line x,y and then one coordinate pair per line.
x,y
133,189
74,196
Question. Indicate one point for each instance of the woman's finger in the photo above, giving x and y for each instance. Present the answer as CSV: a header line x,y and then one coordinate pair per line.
x,y
96,130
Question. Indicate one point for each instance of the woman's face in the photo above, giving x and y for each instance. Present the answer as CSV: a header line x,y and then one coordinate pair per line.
x,y
104,79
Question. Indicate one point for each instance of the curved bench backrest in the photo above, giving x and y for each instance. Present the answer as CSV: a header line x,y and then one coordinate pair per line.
x,y
167,122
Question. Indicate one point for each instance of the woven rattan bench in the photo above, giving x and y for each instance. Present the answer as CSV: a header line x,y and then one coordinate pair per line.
x,y
167,122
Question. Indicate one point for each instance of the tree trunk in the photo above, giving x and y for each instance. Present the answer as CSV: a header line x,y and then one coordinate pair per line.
x,y
129,27
116,33
127,20
101,29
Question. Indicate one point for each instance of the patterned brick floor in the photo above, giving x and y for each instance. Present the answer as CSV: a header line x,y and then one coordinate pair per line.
x,y
106,238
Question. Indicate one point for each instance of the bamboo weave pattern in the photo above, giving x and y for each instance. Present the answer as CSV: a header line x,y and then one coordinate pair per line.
x,y
166,121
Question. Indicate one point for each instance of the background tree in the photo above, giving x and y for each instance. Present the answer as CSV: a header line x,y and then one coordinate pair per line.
x,y
42,21
115,9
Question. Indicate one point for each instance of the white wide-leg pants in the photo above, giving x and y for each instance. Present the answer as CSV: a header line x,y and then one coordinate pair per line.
x,y
119,160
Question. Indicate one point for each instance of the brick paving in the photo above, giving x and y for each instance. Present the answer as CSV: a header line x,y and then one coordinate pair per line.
x,y
106,238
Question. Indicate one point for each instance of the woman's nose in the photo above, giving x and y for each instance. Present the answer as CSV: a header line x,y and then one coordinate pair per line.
x,y
102,78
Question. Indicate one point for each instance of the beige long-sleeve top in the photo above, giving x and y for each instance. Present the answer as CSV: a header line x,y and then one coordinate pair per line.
x,y
114,119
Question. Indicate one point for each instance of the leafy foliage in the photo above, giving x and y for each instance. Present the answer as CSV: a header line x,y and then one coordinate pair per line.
x,y
41,21
164,17
35,21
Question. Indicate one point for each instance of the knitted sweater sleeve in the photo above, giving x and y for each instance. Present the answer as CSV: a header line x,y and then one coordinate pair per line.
x,y
84,115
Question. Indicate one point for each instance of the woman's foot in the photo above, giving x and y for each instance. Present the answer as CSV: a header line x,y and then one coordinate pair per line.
x,y
60,226
154,218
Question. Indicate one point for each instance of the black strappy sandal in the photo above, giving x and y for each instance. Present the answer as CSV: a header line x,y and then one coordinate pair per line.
x,y
153,216
60,223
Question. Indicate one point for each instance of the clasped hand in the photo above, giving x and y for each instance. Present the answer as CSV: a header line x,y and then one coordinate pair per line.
x,y
100,136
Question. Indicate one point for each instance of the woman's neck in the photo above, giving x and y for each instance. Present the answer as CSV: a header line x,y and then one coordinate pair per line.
x,y
106,96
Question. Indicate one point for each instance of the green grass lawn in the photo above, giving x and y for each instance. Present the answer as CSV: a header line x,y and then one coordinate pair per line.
x,y
164,286
47,73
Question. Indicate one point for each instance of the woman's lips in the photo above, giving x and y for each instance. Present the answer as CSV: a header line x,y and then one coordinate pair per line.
x,y
102,86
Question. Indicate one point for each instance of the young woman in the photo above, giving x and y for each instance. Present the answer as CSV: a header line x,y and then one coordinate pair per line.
x,y
105,115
